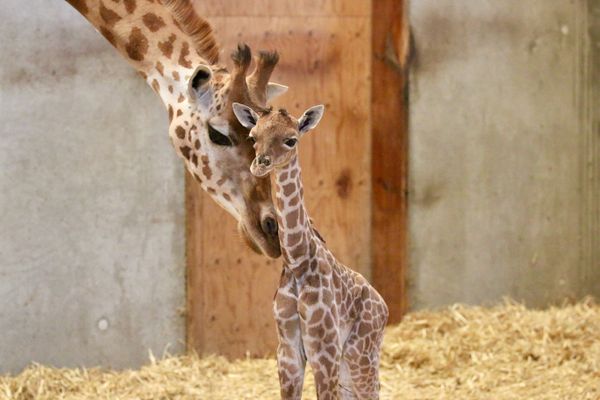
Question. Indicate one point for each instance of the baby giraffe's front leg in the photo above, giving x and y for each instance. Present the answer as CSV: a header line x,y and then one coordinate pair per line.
x,y
320,336
290,364
291,360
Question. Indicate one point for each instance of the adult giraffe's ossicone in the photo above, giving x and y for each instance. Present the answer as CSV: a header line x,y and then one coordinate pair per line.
x,y
174,49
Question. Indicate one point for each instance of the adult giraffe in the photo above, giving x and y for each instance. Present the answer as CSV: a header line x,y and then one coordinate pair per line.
x,y
174,50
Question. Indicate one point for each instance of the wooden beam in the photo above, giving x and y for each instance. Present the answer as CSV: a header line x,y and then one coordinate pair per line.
x,y
390,47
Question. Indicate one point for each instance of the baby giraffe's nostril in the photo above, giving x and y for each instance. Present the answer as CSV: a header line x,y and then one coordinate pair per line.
x,y
269,226
264,160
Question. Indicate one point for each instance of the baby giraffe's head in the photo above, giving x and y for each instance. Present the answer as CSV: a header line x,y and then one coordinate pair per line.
x,y
275,134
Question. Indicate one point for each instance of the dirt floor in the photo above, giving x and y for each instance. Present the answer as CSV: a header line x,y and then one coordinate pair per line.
x,y
504,352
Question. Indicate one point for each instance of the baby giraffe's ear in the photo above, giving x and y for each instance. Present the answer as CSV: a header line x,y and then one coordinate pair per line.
x,y
245,115
310,118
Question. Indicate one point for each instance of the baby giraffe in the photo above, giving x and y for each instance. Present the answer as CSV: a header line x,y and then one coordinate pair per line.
x,y
325,312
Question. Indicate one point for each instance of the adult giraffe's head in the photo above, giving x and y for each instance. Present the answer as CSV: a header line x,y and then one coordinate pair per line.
x,y
215,146
174,49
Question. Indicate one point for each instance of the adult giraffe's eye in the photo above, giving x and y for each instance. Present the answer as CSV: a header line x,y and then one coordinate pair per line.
x,y
290,142
217,137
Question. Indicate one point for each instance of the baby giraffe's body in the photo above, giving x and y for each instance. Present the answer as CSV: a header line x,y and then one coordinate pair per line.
x,y
326,313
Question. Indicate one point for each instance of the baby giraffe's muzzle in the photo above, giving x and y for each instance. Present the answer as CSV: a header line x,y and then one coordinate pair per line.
x,y
263,160
261,165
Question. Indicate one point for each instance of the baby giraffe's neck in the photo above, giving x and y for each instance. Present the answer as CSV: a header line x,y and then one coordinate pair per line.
x,y
295,234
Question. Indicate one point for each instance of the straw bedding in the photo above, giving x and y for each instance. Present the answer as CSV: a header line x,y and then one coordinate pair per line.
x,y
504,352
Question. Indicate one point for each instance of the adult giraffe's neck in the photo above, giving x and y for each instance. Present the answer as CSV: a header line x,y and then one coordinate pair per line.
x,y
295,233
163,40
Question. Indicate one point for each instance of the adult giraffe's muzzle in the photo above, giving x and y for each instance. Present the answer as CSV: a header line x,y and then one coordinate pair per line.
x,y
262,237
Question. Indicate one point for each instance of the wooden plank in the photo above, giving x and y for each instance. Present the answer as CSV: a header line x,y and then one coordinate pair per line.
x,y
282,8
390,41
323,60
193,251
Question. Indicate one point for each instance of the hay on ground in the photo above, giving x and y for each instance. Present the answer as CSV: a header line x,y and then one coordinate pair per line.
x,y
504,352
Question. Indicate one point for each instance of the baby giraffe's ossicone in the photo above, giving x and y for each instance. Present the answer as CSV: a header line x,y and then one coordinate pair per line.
x,y
326,313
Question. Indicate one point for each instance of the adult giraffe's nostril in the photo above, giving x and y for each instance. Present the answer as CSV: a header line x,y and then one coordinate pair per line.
x,y
269,226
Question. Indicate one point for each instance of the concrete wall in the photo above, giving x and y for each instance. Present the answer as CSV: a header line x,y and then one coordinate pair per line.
x,y
504,151
91,211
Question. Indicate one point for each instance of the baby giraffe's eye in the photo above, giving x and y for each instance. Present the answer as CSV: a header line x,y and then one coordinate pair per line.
x,y
252,139
290,142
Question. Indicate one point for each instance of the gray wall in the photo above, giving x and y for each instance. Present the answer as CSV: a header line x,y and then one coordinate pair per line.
x,y
91,211
504,151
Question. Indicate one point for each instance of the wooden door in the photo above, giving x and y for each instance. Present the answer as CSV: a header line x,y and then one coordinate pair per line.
x,y
354,164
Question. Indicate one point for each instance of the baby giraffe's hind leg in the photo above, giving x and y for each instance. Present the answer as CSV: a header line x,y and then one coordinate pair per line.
x,y
361,359
346,386
362,348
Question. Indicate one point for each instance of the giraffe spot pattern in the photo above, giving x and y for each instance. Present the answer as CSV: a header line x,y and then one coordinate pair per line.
x,y
166,47
280,204
155,86
108,16
317,332
160,68
180,132
137,47
316,316
289,189
292,219
130,5
153,22
185,151
185,51
205,167
294,238
294,201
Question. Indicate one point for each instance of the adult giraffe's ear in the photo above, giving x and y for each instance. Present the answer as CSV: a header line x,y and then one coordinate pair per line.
x,y
200,81
275,90
245,115
310,118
